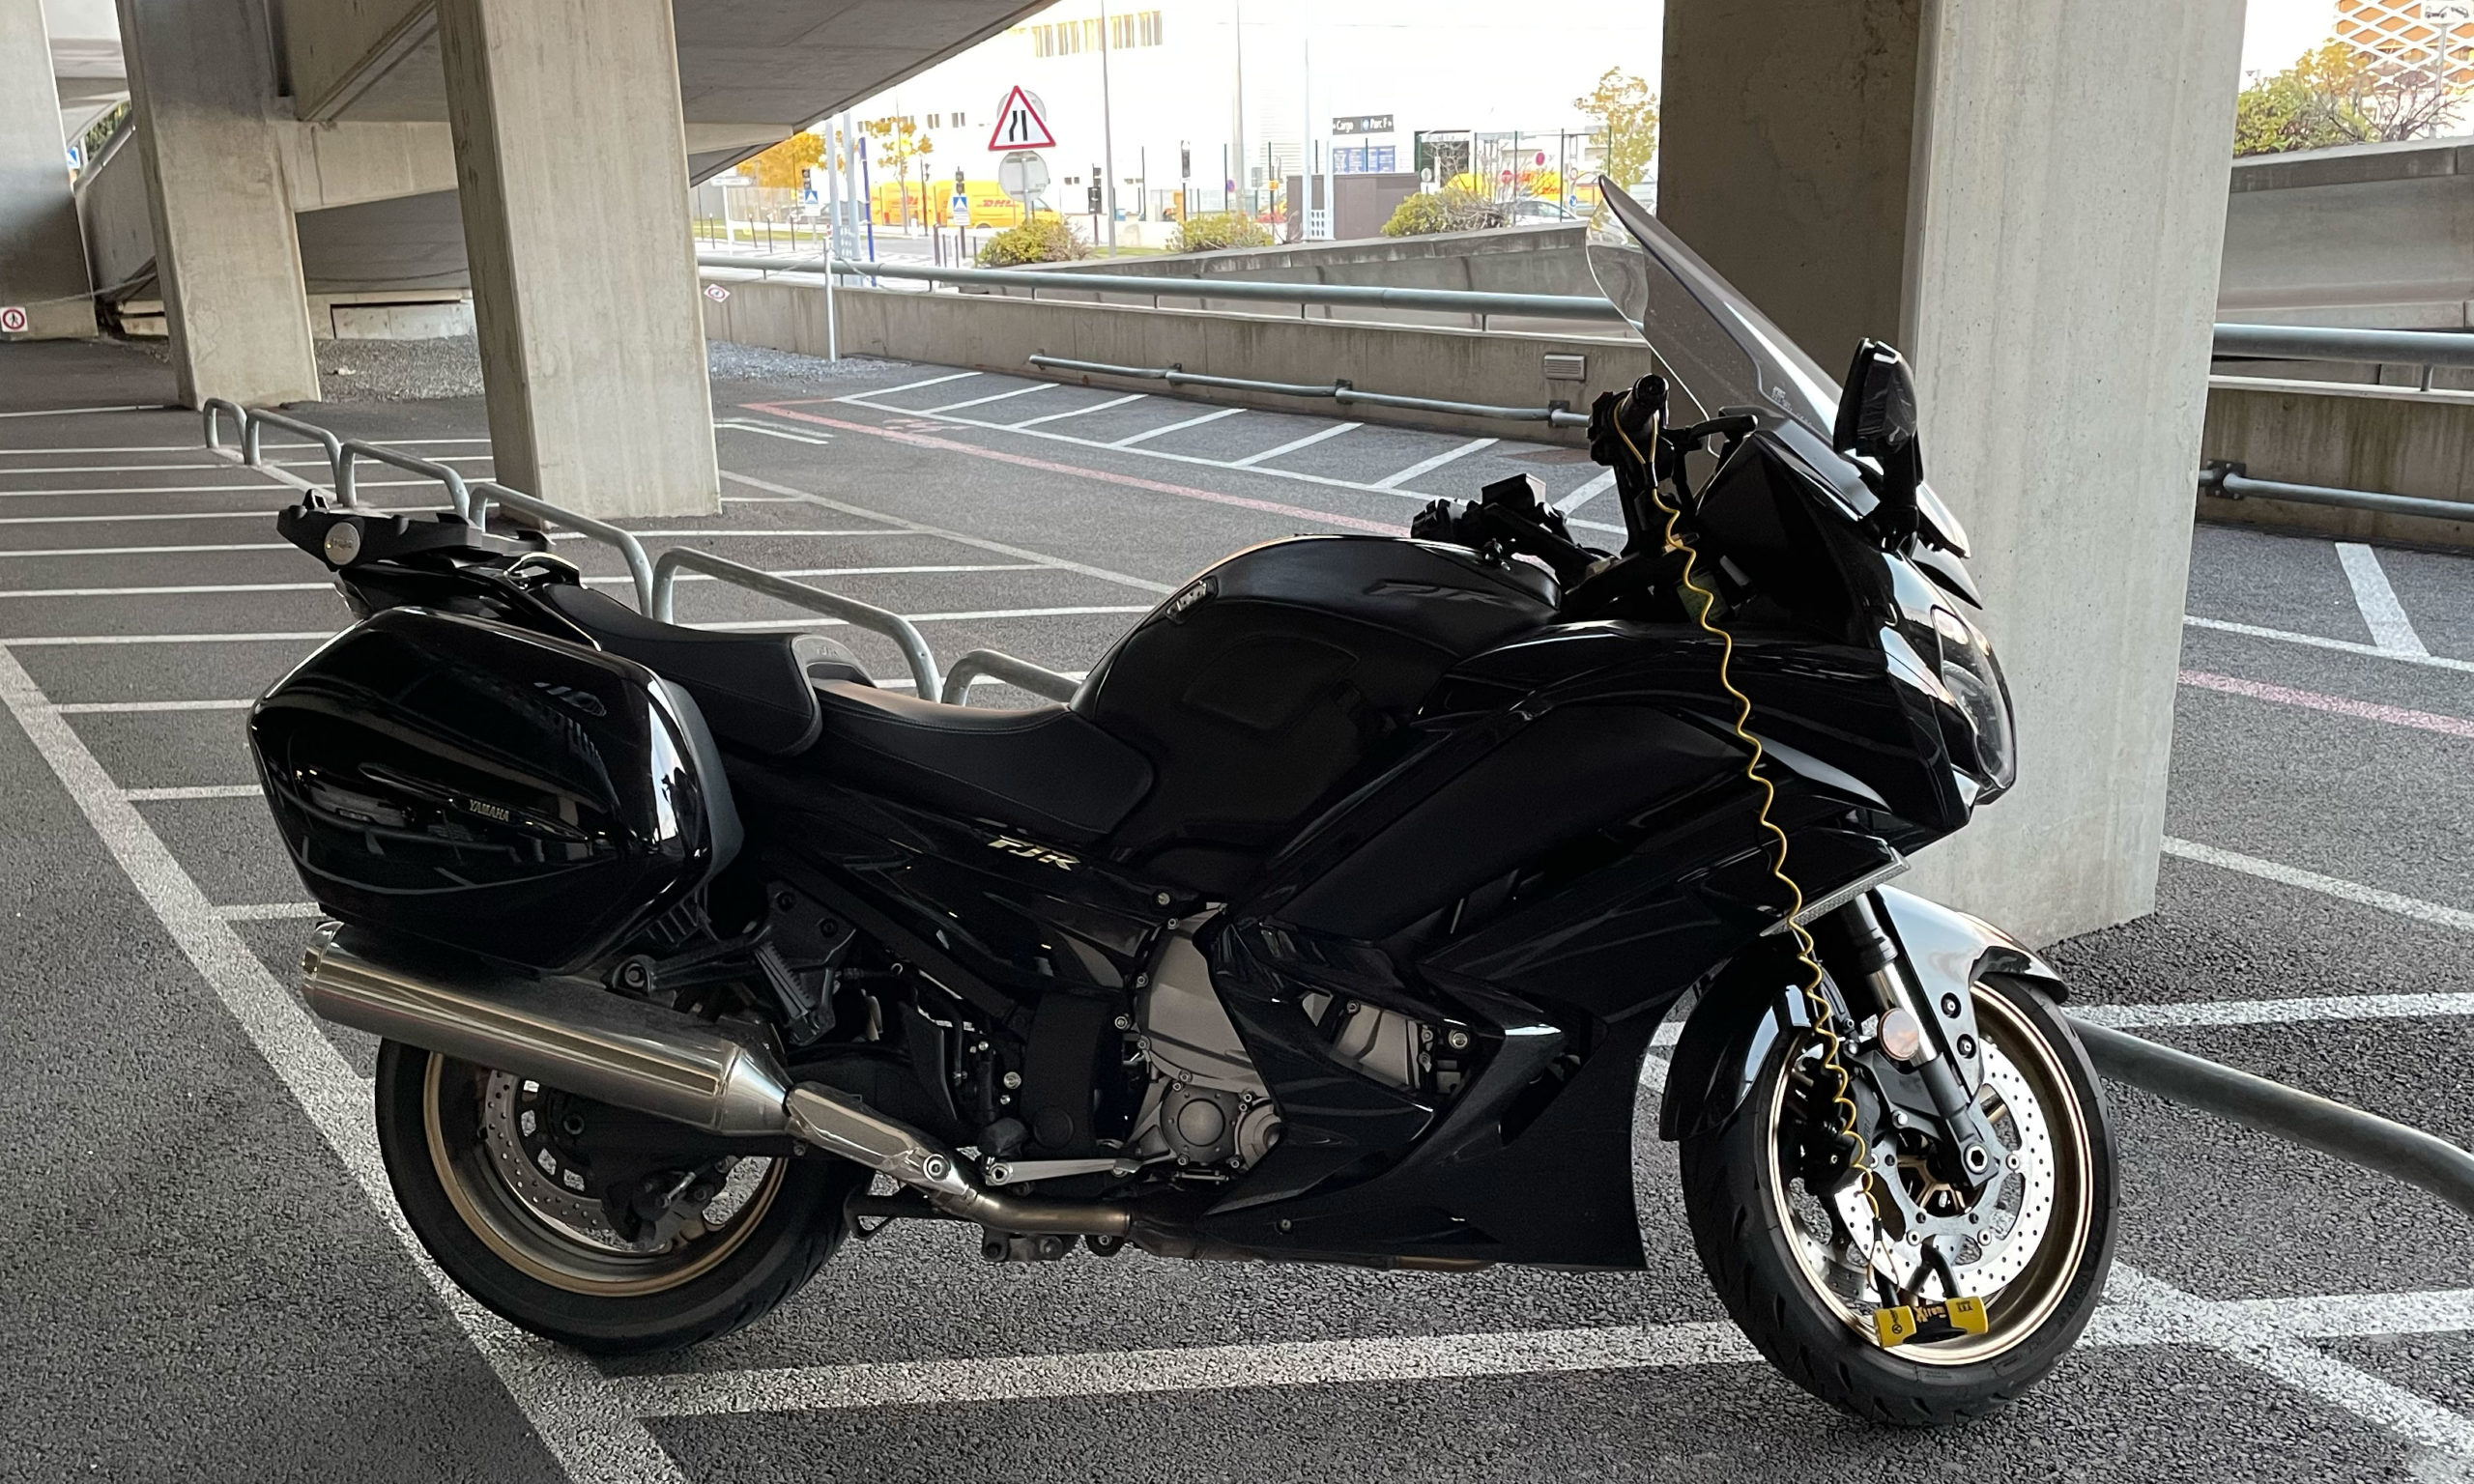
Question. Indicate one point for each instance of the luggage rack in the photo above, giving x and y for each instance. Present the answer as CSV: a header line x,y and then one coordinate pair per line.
x,y
653,580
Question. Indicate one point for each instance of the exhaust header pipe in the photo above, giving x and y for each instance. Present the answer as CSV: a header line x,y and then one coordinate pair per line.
x,y
578,1036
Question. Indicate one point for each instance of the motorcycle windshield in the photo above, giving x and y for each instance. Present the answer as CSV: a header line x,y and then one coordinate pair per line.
x,y
1721,349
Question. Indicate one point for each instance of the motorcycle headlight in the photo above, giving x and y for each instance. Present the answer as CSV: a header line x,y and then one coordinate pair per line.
x,y
1974,680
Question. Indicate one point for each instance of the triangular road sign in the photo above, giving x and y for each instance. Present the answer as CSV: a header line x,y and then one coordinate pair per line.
x,y
1018,124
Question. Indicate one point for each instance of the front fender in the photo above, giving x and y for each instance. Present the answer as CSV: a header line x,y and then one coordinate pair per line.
x,y
1755,1001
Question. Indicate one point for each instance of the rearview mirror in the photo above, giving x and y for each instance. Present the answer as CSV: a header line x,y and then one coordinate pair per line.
x,y
1877,424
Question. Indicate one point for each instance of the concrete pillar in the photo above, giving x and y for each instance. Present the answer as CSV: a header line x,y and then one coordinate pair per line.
x,y
43,255
202,74
572,169
2030,201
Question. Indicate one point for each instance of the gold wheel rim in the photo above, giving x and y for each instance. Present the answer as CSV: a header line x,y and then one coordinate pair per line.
x,y
2021,1306
546,1250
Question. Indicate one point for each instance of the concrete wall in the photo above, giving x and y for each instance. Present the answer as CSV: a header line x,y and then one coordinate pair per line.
x,y
2377,235
2392,439
43,259
1000,334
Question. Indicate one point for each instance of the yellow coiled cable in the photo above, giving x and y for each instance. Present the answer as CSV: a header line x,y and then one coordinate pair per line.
x,y
1816,1003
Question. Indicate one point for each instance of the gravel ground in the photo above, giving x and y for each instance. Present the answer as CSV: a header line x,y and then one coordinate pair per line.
x,y
414,370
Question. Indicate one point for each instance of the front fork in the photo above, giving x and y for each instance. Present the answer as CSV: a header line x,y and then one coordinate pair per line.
x,y
1931,1038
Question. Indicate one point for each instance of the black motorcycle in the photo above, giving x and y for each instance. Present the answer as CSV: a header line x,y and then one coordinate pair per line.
x,y
1330,921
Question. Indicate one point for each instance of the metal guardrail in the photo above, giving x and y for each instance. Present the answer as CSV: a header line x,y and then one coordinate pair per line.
x,y
337,468
640,567
1555,415
457,493
1547,306
2425,348
2287,1113
867,616
2227,479
997,665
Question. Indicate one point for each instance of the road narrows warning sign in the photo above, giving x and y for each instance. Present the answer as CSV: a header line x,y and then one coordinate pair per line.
x,y
1018,124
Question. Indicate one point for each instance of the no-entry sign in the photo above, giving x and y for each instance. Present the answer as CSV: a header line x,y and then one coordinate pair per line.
x,y
12,319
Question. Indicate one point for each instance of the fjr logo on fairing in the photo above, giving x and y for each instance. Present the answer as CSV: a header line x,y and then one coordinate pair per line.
x,y
1032,852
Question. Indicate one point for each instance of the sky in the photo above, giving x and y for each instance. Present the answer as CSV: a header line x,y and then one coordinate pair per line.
x,y
2277,31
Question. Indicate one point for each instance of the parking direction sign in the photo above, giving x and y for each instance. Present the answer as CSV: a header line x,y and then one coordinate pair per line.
x,y
1018,124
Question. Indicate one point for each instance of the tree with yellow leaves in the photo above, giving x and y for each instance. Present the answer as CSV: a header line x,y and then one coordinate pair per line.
x,y
1627,112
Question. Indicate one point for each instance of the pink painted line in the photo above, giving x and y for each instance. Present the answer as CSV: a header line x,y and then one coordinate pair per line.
x,y
1156,487
2336,705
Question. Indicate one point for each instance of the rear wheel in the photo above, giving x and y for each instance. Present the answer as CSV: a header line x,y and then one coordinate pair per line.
x,y
487,1170
1800,1266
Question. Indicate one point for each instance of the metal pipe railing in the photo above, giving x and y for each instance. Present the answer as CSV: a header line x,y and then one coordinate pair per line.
x,y
997,665
2228,481
353,448
865,616
1554,414
337,469
2283,1112
2319,342
1547,306
640,567
212,406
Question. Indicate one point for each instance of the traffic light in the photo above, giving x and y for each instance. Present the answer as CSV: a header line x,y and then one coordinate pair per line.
x,y
1185,161
1095,199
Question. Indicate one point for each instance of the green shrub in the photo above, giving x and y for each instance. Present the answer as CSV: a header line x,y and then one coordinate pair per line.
x,y
1215,230
1448,210
1041,239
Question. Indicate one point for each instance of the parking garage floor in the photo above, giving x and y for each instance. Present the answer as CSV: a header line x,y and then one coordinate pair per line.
x,y
207,1278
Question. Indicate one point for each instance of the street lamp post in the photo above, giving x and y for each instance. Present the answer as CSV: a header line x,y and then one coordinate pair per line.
x,y
1108,134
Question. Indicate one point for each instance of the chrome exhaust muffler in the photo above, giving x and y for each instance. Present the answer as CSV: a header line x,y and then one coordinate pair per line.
x,y
578,1036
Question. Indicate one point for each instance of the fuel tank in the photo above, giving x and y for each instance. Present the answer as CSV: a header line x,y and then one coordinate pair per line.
x,y
474,785
1272,681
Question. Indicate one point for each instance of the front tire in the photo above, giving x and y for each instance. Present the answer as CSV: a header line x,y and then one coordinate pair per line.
x,y
1793,1276
543,1260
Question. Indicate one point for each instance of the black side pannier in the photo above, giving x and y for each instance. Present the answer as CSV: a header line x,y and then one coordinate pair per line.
x,y
486,787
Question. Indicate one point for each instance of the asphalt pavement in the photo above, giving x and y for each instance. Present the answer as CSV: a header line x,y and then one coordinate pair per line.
x,y
207,1279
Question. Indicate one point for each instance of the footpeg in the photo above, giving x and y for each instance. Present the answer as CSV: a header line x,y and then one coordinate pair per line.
x,y
1895,1324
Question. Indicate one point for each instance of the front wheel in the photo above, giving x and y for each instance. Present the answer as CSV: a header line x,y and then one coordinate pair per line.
x,y
1800,1260
607,1231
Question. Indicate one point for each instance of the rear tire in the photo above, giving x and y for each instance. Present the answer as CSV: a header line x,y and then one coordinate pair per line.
x,y
1740,1206
555,1279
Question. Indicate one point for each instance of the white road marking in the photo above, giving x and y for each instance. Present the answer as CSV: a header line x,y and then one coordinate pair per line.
x,y
790,625
226,463
196,515
2341,646
2328,886
1399,478
146,592
775,430
934,381
2140,1312
212,489
82,640
1293,445
1095,407
558,1390
1268,471
2390,629
1143,437
2185,1319
148,550
206,791
1586,492
995,396
866,530
117,708
861,512
2305,1009
270,911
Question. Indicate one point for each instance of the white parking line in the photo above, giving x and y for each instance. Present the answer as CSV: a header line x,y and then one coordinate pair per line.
x,y
1095,407
2306,1009
147,592
2327,886
207,791
84,641
556,1390
208,489
121,707
790,625
787,625
270,911
1586,492
934,381
124,469
1394,480
997,396
147,550
775,430
2390,629
2140,1311
2316,641
1148,434
76,412
1293,445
